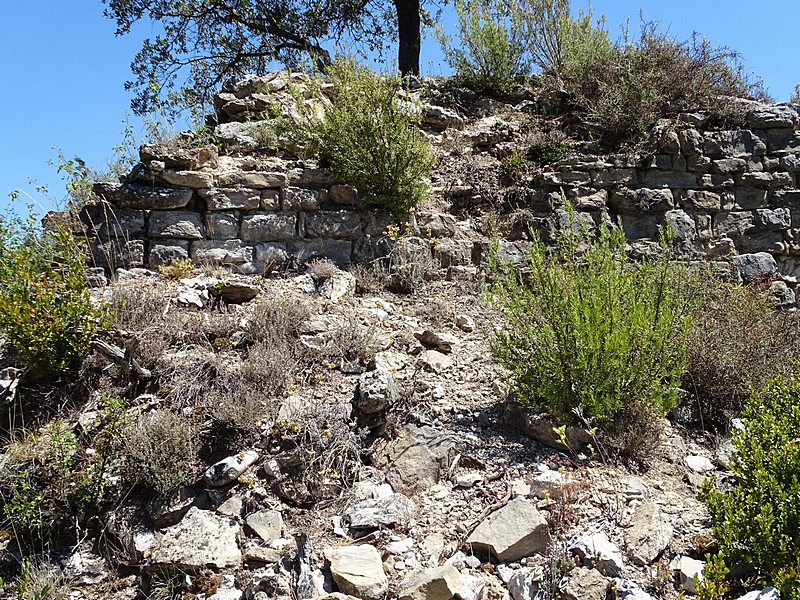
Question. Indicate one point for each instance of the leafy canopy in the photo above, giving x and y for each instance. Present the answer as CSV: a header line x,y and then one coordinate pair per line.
x,y
218,39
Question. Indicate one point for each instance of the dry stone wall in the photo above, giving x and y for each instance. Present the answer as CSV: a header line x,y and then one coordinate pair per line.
x,y
730,196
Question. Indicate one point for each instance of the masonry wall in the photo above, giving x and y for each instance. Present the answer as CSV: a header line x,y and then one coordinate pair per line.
x,y
731,196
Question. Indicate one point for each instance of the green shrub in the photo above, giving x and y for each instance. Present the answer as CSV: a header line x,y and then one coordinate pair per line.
x,y
490,54
583,330
739,342
162,450
369,138
45,311
623,87
758,520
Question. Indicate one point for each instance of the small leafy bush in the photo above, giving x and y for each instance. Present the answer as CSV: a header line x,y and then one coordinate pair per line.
x,y
370,139
177,268
758,519
585,334
739,342
45,311
161,448
490,54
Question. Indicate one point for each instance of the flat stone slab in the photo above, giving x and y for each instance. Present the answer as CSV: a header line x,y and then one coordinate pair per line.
x,y
201,539
512,532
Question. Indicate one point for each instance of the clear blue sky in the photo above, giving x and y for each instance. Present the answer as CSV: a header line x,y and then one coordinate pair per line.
x,y
63,70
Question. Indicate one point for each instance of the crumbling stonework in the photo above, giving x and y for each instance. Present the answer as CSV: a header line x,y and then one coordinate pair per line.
x,y
723,193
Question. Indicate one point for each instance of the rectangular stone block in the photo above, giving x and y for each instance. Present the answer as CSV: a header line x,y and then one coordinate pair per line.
x,y
774,219
641,201
295,198
721,144
164,252
231,198
733,224
271,252
339,251
222,225
252,179
226,252
269,227
116,253
107,222
185,225
750,198
336,225
270,200
142,196
189,179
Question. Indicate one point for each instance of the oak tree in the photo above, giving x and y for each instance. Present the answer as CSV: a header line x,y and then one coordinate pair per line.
x,y
203,42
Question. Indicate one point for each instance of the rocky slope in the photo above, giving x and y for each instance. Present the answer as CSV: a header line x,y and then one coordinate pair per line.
x,y
392,462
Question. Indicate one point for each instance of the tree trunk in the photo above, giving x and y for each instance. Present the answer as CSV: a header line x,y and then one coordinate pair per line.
x,y
408,31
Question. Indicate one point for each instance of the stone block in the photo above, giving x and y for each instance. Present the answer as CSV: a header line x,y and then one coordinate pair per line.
x,y
231,198
751,267
727,166
774,219
116,253
733,224
271,252
750,198
703,200
781,116
224,252
765,241
252,179
269,227
783,141
754,179
296,198
222,225
336,225
339,251
165,251
107,222
143,197
636,202
691,142
271,199
614,177
185,225
640,226
721,144
345,195
189,179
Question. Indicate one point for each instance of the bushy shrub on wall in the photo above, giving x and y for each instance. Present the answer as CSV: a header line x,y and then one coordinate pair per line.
x,y
369,137
586,334
758,519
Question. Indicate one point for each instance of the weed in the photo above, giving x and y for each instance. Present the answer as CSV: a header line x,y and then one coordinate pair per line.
x,y
41,580
45,312
161,449
738,343
178,268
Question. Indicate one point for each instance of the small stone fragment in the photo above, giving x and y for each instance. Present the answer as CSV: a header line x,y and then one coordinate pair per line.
x,y
230,469
358,571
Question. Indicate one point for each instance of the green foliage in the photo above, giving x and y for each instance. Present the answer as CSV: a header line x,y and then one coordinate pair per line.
x,y
45,311
795,99
490,54
515,165
162,449
369,137
52,476
40,581
758,520
713,586
585,334
739,342
215,40
623,87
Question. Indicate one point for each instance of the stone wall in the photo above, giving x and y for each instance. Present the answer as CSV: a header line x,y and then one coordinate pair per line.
x,y
729,195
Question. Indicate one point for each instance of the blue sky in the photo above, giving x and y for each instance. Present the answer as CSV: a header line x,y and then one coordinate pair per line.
x,y
63,71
